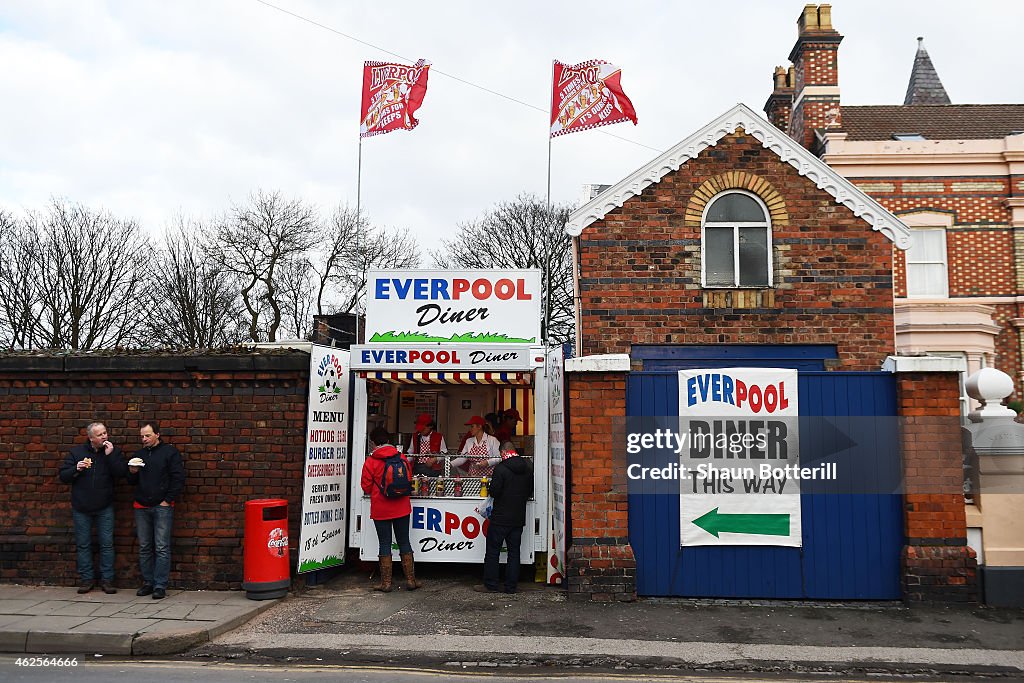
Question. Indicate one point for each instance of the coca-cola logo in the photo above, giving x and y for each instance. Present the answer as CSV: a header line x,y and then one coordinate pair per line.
x,y
277,541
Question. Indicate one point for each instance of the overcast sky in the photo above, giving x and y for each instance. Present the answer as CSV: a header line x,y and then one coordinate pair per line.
x,y
150,108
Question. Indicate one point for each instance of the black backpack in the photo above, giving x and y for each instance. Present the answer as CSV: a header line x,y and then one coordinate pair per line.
x,y
395,481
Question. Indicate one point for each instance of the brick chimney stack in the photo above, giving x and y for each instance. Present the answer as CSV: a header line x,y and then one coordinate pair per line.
x,y
815,84
780,102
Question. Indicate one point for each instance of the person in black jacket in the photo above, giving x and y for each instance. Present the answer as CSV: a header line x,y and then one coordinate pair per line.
x,y
92,468
511,486
159,477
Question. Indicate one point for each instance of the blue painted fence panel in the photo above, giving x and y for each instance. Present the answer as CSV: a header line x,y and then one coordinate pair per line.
x,y
851,542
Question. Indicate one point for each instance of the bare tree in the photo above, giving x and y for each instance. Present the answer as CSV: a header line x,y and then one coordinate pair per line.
x,y
191,299
522,233
89,268
253,241
340,244
351,248
298,295
20,297
392,248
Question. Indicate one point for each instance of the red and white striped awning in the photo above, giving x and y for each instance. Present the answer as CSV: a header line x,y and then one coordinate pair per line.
x,y
450,377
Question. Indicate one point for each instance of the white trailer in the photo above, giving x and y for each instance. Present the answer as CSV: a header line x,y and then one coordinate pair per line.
x,y
457,344
445,526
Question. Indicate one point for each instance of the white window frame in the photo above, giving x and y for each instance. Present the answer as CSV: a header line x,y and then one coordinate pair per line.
x,y
944,294
767,225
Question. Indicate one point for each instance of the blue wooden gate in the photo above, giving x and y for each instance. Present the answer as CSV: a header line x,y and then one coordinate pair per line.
x,y
851,541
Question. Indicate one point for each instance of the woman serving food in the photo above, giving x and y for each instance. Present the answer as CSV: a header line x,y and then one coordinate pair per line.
x,y
478,446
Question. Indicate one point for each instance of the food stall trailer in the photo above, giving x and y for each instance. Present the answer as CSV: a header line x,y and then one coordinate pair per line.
x,y
452,345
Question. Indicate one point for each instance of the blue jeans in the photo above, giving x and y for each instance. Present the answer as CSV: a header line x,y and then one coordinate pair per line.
x,y
153,526
512,537
104,521
401,527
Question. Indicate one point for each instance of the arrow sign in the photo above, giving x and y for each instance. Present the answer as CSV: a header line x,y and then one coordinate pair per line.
x,y
765,524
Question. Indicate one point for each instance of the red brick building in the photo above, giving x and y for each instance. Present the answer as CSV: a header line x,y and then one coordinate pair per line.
x,y
954,173
737,235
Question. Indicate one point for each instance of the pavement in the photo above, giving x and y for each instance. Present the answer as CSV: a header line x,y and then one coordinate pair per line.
x,y
56,620
448,625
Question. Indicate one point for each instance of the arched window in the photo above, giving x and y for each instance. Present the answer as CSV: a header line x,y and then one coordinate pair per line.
x,y
736,242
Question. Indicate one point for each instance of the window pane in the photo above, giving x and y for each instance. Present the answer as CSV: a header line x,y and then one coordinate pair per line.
x,y
926,245
754,257
736,208
718,256
926,279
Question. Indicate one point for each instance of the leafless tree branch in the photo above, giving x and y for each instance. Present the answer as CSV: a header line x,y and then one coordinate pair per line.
x,y
253,241
192,300
522,233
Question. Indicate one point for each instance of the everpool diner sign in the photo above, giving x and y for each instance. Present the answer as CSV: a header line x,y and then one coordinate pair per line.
x,y
454,307
446,358
739,445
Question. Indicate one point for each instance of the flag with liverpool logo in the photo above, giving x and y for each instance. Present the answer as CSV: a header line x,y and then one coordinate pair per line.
x,y
588,95
391,95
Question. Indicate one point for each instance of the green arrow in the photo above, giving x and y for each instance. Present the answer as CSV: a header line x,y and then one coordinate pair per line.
x,y
764,524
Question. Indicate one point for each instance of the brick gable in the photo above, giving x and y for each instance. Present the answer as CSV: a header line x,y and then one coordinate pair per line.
x,y
640,270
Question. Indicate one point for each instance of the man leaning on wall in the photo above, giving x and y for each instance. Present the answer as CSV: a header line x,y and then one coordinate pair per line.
x,y
159,477
92,468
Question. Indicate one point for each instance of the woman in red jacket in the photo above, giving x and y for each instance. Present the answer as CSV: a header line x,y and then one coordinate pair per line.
x,y
388,514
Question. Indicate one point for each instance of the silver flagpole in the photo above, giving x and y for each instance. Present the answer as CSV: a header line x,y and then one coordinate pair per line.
x,y
359,233
550,112
547,256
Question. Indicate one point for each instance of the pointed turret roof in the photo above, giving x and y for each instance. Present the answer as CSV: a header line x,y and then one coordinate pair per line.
x,y
925,86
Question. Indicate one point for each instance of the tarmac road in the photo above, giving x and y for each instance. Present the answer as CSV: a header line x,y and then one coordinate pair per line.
x,y
101,671
447,624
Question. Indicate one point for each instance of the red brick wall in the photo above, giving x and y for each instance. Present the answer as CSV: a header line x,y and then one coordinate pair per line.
x,y
937,564
241,433
640,278
980,248
601,565
811,114
815,63
1008,350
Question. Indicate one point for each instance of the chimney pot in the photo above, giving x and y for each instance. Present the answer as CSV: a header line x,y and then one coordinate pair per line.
x,y
790,77
825,17
780,78
808,20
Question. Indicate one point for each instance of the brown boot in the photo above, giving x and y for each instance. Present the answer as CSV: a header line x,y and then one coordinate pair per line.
x,y
385,574
410,573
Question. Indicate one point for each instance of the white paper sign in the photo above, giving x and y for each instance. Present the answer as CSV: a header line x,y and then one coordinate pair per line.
x,y
556,452
738,434
324,496
453,307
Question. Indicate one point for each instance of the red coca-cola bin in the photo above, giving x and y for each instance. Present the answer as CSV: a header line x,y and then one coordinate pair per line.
x,y
266,573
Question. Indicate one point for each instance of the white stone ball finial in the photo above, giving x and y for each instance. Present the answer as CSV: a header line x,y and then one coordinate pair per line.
x,y
989,387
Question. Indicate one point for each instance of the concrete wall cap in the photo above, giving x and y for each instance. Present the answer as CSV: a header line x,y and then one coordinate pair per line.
x,y
294,344
611,362
924,364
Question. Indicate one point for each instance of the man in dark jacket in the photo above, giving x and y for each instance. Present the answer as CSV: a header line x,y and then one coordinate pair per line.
x,y
91,468
159,477
511,486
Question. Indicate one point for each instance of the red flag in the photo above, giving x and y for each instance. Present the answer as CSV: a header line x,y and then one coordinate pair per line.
x,y
588,95
391,95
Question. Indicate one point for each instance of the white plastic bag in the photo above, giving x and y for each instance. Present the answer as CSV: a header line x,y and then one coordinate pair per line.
x,y
486,508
